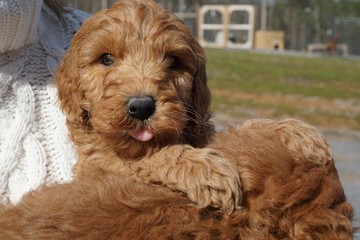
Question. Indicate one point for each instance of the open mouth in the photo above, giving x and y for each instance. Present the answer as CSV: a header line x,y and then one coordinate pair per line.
x,y
143,135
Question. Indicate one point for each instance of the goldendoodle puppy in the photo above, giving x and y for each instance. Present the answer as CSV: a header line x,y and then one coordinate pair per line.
x,y
290,184
134,89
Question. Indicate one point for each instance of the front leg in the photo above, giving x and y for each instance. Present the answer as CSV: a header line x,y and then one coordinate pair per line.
x,y
203,174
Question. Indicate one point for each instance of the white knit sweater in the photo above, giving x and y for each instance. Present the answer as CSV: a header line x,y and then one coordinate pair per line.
x,y
34,144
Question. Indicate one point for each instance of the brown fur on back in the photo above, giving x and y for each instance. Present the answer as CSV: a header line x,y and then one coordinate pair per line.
x,y
108,208
284,198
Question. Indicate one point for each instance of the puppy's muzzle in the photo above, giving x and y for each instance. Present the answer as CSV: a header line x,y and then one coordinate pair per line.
x,y
141,108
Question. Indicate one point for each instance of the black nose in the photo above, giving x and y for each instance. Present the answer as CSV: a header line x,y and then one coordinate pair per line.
x,y
141,107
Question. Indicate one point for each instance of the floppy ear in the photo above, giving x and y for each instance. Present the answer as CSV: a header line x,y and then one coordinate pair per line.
x,y
73,101
67,79
200,129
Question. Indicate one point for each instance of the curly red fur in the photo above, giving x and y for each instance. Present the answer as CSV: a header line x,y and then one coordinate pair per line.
x,y
151,54
124,188
284,198
144,39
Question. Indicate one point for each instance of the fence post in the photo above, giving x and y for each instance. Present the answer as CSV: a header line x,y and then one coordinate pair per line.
x,y
104,4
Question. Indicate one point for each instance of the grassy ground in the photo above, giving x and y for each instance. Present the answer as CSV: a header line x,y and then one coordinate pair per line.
x,y
324,91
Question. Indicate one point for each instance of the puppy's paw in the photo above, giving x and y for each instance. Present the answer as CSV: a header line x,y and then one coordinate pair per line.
x,y
304,141
204,175
208,179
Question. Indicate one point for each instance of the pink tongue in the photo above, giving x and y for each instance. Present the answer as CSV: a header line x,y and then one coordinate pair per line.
x,y
142,135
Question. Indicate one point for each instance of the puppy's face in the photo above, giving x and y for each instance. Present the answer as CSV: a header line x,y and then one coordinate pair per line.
x,y
133,76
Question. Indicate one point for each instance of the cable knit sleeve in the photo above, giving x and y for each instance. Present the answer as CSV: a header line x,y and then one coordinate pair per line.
x,y
34,145
18,23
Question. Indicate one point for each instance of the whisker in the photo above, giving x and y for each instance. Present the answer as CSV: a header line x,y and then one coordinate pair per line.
x,y
196,117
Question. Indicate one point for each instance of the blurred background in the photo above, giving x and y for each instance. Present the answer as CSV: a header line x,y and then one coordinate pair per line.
x,y
282,58
303,22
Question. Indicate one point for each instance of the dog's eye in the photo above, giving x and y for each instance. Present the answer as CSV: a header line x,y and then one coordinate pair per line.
x,y
174,62
107,59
